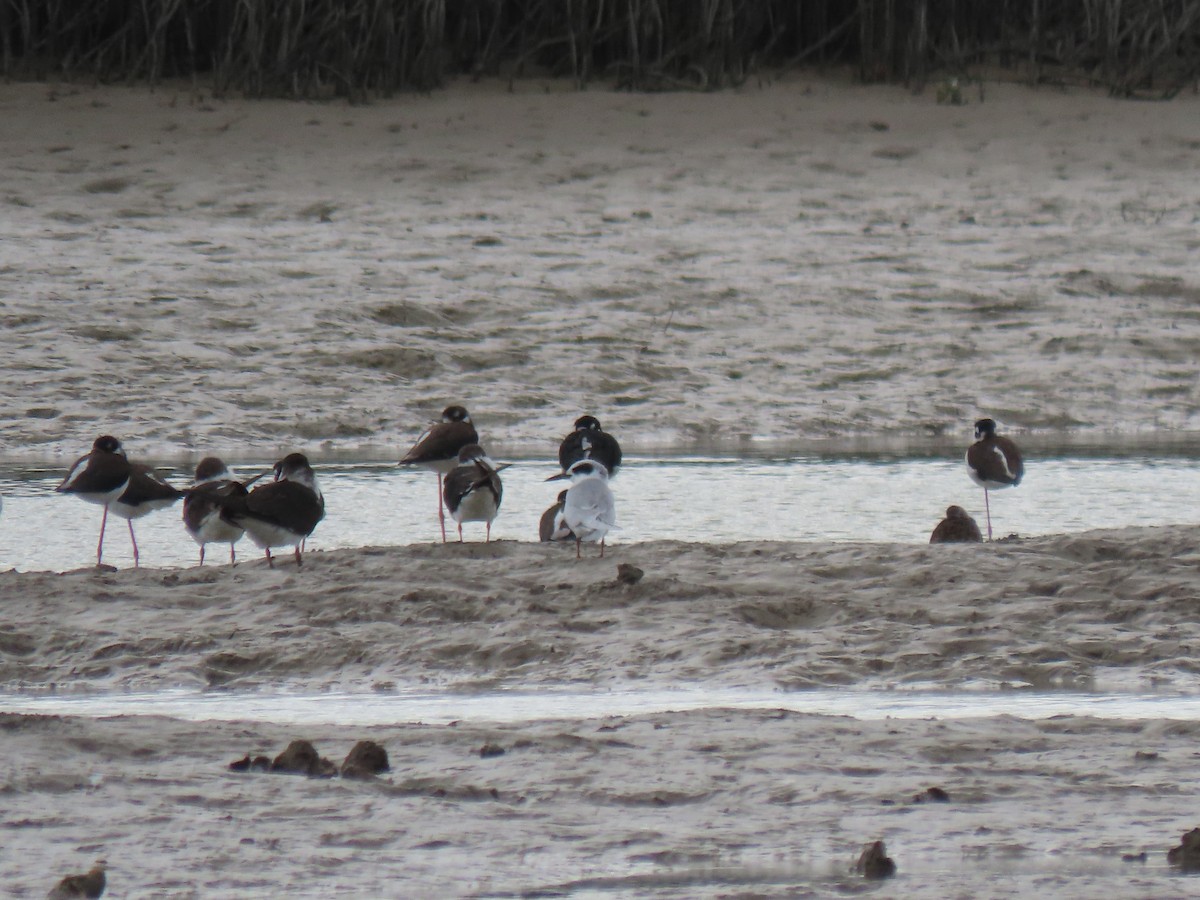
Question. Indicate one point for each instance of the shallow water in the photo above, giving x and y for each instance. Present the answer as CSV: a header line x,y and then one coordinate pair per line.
x,y
687,499
360,709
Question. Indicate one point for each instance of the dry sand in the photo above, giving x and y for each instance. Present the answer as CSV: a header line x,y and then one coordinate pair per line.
x,y
802,259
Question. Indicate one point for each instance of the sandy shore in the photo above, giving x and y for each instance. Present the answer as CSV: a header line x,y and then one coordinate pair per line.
x,y
1107,609
799,260
711,802
796,260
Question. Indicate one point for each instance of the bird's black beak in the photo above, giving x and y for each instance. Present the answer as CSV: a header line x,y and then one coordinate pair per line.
x,y
559,477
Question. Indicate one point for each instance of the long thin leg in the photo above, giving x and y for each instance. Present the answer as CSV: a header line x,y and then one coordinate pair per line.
x,y
270,562
488,539
201,554
988,509
100,546
298,562
577,542
232,554
602,548
134,540
441,509
460,538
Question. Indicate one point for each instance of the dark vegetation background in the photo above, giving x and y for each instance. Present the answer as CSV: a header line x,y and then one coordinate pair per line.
x,y
360,48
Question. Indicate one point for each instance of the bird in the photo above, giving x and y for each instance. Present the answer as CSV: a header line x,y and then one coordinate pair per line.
x,y
146,492
589,441
281,513
993,462
551,527
589,509
202,511
437,449
473,490
956,528
90,885
100,477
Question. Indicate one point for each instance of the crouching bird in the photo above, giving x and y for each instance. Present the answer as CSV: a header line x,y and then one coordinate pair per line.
x,y
90,885
280,513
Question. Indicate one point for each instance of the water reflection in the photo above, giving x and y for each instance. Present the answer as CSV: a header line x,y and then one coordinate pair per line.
x,y
519,706
689,499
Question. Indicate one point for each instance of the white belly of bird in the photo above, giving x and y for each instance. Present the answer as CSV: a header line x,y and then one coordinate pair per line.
x,y
214,529
477,506
266,535
142,509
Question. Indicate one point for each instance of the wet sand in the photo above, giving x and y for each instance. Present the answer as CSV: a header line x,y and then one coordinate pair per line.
x,y
673,804
800,260
804,259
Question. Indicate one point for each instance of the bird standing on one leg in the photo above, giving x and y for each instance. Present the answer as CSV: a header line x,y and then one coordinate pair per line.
x,y
473,490
993,462
437,449
589,509
589,441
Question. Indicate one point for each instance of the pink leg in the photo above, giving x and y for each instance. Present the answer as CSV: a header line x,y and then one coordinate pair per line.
x,y
988,509
577,548
100,546
134,540
442,513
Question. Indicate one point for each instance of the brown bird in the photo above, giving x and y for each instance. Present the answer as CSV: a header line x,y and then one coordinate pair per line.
x,y
956,528
993,462
552,527
202,511
279,514
437,449
473,490
99,477
90,885
145,493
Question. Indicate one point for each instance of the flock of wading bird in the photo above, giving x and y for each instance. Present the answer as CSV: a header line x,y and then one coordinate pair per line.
x,y
284,511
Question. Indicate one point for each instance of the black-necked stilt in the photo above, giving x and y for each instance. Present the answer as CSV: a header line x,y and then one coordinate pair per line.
x,y
993,462
589,441
281,513
473,490
146,492
437,449
202,508
99,477
589,509
551,526
958,527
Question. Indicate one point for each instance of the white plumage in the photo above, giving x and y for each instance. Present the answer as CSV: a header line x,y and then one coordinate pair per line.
x,y
590,510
